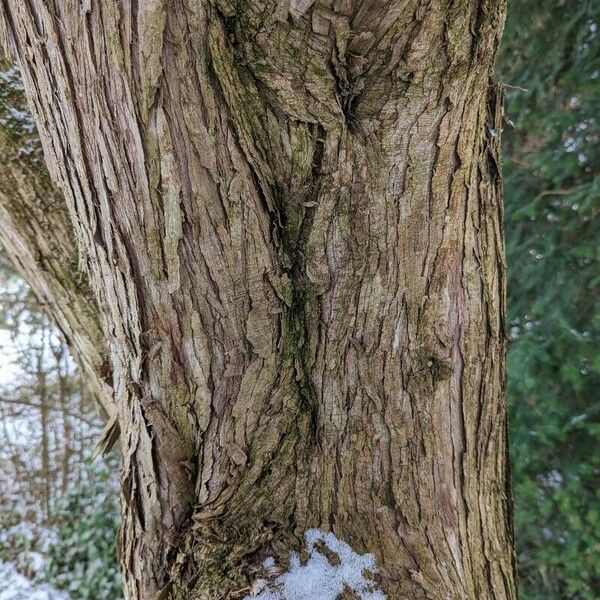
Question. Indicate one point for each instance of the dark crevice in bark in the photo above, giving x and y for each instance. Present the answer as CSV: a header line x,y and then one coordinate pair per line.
x,y
303,297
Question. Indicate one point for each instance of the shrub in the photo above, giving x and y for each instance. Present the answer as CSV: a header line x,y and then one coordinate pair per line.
x,y
83,558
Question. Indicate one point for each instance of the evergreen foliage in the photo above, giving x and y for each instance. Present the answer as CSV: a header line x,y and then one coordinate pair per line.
x,y
83,559
552,195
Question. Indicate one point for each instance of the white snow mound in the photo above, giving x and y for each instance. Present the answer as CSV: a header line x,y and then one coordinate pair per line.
x,y
318,578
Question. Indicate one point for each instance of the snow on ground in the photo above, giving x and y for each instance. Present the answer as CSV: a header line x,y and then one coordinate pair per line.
x,y
320,577
14,586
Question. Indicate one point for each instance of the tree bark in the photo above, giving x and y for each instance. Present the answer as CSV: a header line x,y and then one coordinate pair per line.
x,y
36,233
291,217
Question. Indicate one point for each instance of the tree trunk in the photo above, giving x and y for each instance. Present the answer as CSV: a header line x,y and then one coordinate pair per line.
x,y
41,390
36,232
66,450
291,217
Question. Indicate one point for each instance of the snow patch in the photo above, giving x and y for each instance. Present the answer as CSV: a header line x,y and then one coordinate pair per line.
x,y
321,578
14,586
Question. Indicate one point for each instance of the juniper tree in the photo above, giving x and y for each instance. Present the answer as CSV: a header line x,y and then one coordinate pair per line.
x,y
290,217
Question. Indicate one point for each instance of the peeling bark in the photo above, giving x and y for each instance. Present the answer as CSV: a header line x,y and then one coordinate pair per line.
x,y
291,217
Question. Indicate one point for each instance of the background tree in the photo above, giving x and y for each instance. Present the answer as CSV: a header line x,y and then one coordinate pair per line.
x,y
58,513
291,220
552,168
71,544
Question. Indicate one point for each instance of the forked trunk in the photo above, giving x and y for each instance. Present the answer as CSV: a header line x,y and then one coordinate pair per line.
x,y
291,215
